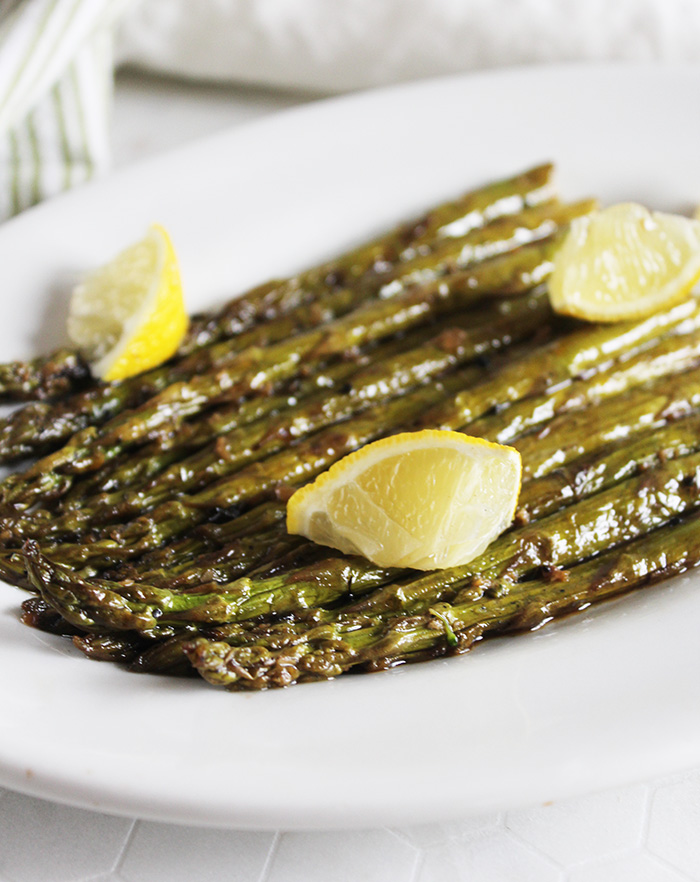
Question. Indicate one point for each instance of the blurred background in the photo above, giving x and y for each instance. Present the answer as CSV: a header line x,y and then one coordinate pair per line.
x,y
85,84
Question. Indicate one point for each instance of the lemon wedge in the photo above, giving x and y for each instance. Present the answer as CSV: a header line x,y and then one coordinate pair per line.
x,y
129,315
625,262
428,500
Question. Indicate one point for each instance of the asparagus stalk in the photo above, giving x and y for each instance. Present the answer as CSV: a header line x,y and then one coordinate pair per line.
x,y
370,387
607,466
452,255
182,441
583,478
262,552
366,268
119,648
556,362
581,530
673,395
42,482
472,211
602,469
329,650
187,437
46,376
210,537
172,519
631,509
671,356
35,426
258,481
58,421
38,614
572,435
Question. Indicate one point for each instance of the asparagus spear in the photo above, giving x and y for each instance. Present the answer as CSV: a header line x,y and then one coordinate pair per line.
x,y
467,336
46,376
581,530
169,520
472,211
82,555
603,468
572,435
198,470
671,356
120,648
329,650
452,255
252,371
209,537
20,490
555,363
64,369
12,568
629,510
583,478
35,427
57,421
38,614
188,437
607,466
499,237
183,440
372,386
92,604
258,481
260,553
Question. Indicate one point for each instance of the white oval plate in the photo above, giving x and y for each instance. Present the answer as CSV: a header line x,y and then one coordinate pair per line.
x,y
601,699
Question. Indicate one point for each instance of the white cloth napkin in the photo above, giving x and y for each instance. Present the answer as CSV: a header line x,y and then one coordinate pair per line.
x,y
55,81
334,45
56,60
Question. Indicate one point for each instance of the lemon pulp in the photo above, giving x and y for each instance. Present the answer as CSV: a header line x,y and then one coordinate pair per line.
x,y
427,500
625,262
129,315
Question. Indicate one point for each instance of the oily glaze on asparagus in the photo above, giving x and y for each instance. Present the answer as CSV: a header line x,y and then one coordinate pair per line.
x,y
38,426
249,485
328,651
472,211
599,522
468,336
368,388
155,535
65,370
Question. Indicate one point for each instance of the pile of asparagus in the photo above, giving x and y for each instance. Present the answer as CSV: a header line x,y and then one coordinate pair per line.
x,y
149,522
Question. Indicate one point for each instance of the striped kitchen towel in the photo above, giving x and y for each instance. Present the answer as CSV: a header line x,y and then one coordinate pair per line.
x,y
55,96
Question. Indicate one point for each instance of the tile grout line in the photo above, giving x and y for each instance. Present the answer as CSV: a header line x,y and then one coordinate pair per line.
x,y
646,818
534,849
116,866
667,865
644,840
418,864
272,851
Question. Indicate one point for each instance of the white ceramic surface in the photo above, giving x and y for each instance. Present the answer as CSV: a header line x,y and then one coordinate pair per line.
x,y
602,699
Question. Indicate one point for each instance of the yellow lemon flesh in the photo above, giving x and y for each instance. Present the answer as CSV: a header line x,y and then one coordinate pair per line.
x,y
625,262
129,315
427,500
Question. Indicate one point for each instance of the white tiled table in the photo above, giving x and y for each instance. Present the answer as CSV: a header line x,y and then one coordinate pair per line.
x,y
649,832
